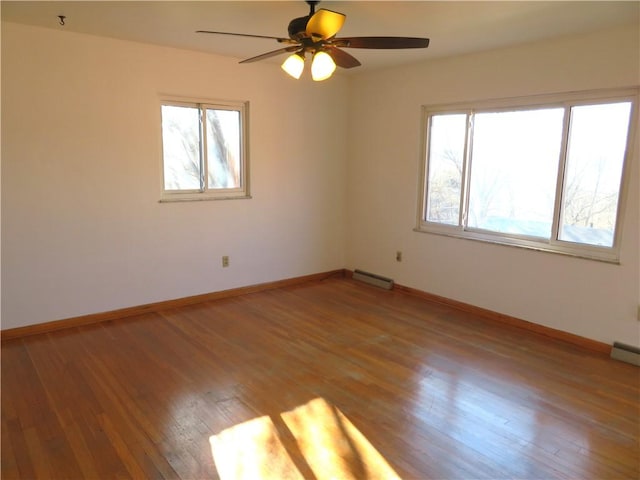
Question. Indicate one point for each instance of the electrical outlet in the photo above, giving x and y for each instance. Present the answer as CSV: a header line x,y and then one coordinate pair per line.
x,y
398,256
225,261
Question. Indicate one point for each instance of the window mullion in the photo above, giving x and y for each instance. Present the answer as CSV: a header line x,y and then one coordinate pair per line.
x,y
424,181
466,172
560,183
204,175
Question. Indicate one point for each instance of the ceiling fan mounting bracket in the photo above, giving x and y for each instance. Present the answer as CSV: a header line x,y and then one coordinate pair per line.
x,y
312,6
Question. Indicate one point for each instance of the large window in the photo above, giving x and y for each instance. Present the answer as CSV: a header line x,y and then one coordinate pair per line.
x,y
544,173
204,153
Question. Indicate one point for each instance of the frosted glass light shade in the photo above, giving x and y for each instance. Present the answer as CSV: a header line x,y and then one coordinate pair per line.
x,y
293,65
322,66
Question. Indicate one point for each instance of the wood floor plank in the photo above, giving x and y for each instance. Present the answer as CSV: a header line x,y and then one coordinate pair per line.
x,y
8,459
436,392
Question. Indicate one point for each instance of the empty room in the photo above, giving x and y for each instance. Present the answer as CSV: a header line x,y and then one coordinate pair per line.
x,y
322,240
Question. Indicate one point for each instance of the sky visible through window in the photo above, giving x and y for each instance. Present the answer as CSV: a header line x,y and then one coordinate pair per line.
x,y
514,171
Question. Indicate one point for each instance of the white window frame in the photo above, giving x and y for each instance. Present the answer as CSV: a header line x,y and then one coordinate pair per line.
x,y
553,244
204,192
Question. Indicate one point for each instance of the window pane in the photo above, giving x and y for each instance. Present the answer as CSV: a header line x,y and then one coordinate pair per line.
x,y
181,147
593,173
514,168
445,160
223,148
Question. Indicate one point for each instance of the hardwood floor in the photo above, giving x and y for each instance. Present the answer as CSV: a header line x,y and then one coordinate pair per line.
x,y
327,379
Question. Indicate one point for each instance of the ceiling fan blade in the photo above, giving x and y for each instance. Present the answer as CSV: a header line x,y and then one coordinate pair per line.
x,y
381,42
273,53
342,58
279,39
324,24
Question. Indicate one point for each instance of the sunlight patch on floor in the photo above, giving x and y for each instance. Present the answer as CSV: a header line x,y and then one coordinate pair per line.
x,y
314,440
252,450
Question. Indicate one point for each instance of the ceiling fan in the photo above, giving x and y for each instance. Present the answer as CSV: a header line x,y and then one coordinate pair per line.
x,y
316,34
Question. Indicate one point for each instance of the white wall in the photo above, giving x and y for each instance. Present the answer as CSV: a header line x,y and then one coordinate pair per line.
x,y
83,232
592,299
82,229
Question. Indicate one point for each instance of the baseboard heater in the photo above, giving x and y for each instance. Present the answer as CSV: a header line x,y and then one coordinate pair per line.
x,y
373,279
626,353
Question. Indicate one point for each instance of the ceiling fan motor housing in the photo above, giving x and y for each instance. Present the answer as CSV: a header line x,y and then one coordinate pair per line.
x,y
298,27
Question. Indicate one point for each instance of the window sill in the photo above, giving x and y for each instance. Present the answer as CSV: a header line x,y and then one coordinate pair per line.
x,y
586,252
199,197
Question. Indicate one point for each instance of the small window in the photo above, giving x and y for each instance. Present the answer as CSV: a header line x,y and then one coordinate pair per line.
x,y
547,176
204,153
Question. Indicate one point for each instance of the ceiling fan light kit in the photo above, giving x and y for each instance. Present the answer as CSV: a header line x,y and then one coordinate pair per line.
x,y
294,65
322,66
316,34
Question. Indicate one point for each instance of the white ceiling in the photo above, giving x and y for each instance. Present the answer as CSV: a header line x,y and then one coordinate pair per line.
x,y
454,27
